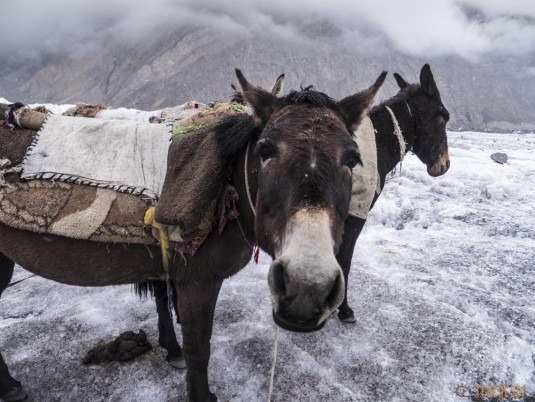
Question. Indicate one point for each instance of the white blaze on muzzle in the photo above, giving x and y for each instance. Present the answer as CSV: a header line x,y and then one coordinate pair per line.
x,y
308,237
312,278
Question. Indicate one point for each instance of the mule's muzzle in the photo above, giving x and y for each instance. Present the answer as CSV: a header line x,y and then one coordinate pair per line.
x,y
297,325
440,166
304,298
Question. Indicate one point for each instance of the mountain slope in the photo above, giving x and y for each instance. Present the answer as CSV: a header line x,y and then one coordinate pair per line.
x,y
197,63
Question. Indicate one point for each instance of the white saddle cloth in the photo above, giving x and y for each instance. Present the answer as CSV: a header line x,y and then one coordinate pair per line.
x,y
127,156
366,180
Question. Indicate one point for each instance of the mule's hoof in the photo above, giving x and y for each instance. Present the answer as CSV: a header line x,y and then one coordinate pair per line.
x,y
347,316
16,394
177,362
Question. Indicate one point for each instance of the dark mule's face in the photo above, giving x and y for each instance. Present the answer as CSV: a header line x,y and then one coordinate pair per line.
x,y
431,144
306,156
304,190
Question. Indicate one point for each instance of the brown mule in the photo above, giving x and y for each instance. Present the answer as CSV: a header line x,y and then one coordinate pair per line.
x,y
295,158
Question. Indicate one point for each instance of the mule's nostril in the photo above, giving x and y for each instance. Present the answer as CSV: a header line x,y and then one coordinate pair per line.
x,y
448,164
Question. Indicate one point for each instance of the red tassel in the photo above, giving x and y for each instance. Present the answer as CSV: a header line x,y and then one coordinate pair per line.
x,y
256,254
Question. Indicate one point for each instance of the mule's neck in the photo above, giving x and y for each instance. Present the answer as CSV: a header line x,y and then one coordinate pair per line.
x,y
389,150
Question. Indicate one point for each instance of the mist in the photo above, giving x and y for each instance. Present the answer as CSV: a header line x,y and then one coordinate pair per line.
x,y
466,28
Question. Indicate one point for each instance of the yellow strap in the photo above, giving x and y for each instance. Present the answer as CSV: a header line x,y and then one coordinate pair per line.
x,y
163,235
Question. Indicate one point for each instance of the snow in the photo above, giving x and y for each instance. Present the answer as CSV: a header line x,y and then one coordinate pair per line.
x,y
56,109
442,285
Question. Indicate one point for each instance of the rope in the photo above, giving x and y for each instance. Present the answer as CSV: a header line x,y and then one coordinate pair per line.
x,y
398,134
243,233
256,251
247,188
149,220
19,281
273,363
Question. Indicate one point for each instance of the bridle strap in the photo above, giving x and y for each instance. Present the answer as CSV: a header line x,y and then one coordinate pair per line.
x,y
246,174
408,108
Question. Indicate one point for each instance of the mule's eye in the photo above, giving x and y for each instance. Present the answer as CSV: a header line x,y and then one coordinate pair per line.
x,y
266,150
351,158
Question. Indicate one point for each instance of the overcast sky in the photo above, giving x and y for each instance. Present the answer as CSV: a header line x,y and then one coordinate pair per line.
x,y
419,27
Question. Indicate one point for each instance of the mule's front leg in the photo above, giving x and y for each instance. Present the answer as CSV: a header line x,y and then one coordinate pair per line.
x,y
352,228
196,304
6,272
10,389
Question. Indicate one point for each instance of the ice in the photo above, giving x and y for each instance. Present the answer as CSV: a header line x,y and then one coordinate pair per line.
x,y
442,284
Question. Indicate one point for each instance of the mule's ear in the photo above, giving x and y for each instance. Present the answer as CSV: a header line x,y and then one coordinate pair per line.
x,y
234,87
401,82
356,106
262,102
427,82
277,87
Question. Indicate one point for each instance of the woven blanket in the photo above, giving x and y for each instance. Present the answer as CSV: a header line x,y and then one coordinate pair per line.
x,y
83,109
124,155
29,118
71,210
194,186
104,215
366,180
207,117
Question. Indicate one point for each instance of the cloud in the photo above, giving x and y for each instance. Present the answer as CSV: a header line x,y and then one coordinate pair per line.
x,y
469,28
496,8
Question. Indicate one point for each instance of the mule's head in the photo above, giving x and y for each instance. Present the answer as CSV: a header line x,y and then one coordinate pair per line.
x,y
306,154
430,118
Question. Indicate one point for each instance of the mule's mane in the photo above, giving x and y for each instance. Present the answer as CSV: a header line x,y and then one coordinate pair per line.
x,y
402,95
310,96
233,133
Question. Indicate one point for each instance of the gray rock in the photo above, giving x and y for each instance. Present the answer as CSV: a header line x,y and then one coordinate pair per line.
x,y
499,157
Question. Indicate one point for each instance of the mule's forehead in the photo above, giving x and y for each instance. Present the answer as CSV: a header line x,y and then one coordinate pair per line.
x,y
305,121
